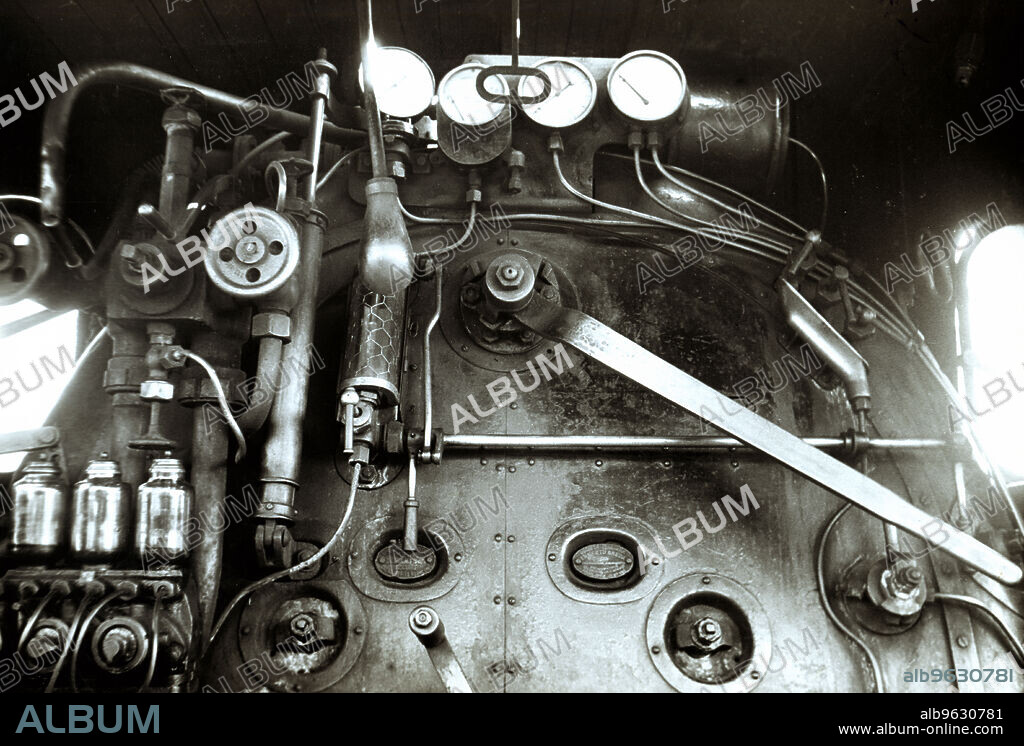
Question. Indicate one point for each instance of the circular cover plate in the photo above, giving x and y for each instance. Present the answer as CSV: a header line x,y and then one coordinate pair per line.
x,y
697,589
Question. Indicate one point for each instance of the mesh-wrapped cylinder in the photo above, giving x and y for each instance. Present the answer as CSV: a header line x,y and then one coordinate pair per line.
x,y
373,351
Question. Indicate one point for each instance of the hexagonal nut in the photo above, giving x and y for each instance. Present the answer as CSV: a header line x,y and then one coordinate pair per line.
x,y
394,437
156,391
271,324
177,116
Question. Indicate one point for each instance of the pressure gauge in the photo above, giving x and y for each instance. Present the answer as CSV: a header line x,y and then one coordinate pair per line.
x,y
572,96
403,82
458,98
647,87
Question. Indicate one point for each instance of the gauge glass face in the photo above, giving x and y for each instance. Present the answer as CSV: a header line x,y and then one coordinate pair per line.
x,y
647,86
573,92
404,82
460,101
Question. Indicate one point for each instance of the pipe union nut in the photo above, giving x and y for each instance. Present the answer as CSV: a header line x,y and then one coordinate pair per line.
x,y
156,391
272,324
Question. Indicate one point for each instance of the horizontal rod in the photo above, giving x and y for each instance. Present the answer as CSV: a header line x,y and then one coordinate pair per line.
x,y
678,443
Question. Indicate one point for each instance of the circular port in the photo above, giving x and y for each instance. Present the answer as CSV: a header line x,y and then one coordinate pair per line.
x,y
706,631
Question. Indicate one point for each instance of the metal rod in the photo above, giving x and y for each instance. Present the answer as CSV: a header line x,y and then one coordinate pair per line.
x,y
676,443
428,394
13,327
378,159
318,116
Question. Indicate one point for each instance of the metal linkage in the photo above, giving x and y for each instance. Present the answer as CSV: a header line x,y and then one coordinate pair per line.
x,y
605,345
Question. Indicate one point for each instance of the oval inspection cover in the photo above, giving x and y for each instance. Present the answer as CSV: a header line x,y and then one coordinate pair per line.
x,y
395,564
602,561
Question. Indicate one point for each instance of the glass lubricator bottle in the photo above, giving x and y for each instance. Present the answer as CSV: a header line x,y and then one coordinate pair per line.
x,y
164,508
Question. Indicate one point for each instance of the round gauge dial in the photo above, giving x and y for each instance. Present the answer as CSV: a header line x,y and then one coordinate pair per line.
x,y
572,96
403,82
647,86
458,98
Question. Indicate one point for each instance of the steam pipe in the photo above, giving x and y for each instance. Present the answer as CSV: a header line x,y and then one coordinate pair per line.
x,y
58,117
268,375
282,452
378,158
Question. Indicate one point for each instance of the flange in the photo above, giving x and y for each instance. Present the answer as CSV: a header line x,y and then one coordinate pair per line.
x,y
252,252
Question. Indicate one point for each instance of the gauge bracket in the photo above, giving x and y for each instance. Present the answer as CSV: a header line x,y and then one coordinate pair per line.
x,y
512,96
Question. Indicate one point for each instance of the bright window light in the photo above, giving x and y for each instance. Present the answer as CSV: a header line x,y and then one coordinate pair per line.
x,y
995,309
35,366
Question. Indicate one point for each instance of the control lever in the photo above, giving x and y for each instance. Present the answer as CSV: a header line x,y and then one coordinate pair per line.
x,y
428,628
605,345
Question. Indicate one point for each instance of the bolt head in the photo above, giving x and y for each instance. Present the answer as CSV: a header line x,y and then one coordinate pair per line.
x,y
510,275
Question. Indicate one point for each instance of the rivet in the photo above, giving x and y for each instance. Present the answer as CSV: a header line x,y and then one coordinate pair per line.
x,y
962,641
501,242
497,600
655,650
512,469
655,561
511,539
358,630
497,537
755,674
552,557
246,630
464,348
483,462
458,557
599,462
511,600
515,241
705,580
531,462
666,464
499,468
513,405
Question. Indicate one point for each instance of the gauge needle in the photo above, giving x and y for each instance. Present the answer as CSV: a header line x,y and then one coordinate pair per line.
x,y
646,102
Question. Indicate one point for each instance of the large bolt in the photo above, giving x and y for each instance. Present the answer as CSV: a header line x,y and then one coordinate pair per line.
x,y
118,646
45,643
510,274
706,632
302,626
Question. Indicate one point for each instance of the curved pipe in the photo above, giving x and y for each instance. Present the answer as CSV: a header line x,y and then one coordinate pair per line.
x,y
827,342
58,118
268,375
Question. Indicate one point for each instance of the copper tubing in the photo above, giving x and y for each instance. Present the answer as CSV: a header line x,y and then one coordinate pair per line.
x,y
58,117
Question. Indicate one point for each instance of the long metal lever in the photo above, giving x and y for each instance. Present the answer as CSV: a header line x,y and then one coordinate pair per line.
x,y
427,626
600,342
